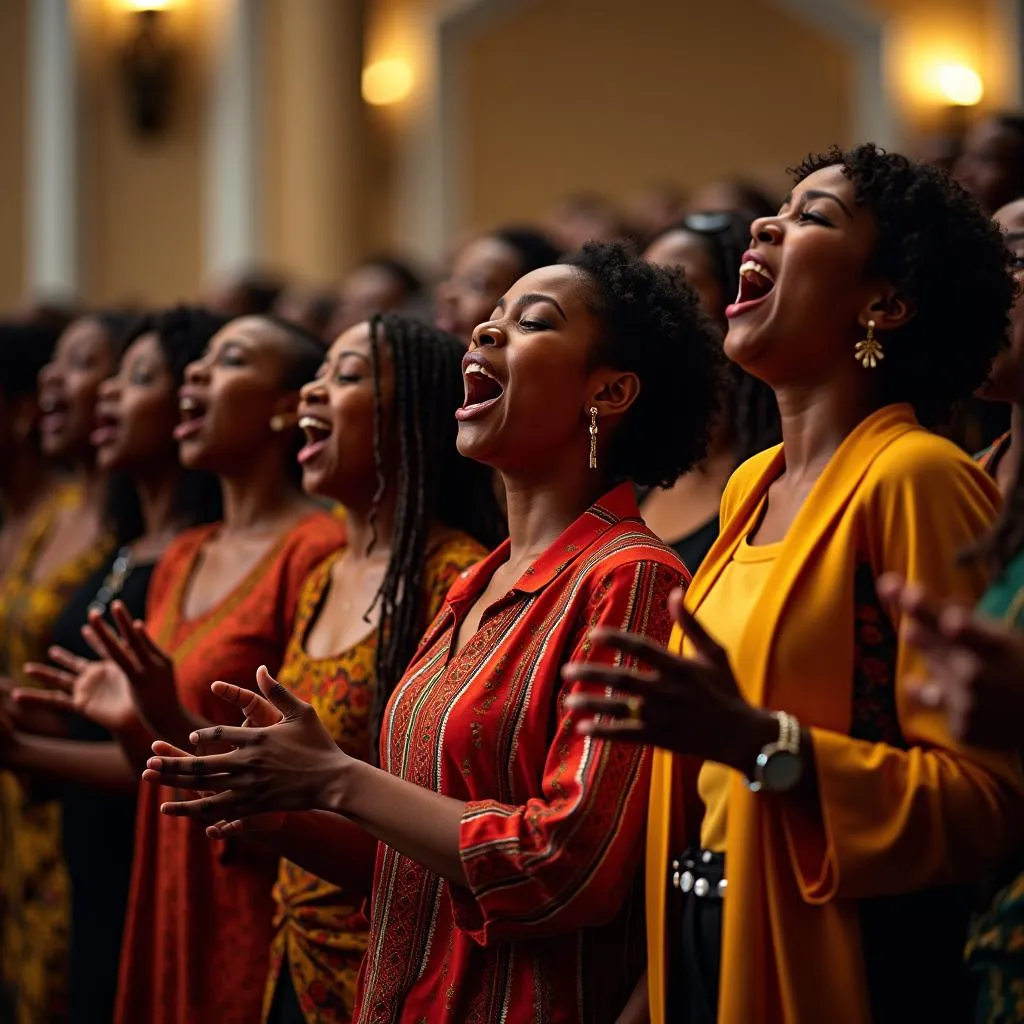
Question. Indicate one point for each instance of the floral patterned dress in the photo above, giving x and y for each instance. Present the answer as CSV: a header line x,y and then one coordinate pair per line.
x,y
34,888
321,930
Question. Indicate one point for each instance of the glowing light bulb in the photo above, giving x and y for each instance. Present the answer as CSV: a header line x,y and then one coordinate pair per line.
x,y
960,85
386,82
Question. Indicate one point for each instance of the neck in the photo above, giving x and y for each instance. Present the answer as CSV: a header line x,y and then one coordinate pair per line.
x,y
539,510
94,486
156,499
24,482
815,422
363,527
258,492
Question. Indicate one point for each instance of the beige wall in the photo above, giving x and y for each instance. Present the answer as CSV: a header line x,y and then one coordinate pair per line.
x,y
609,95
13,95
141,198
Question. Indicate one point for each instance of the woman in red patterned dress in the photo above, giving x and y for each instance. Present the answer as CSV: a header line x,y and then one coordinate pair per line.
x,y
221,602
505,883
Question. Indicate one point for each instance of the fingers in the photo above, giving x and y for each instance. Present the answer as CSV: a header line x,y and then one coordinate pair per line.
x,y
927,693
614,707
115,648
961,626
134,636
226,829
53,699
638,646
64,658
192,772
165,749
208,808
95,645
618,677
258,710
49,676
628,729
234,735
279,695
703,643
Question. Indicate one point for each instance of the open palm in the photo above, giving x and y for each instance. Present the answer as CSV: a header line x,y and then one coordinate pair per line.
x,y
97,690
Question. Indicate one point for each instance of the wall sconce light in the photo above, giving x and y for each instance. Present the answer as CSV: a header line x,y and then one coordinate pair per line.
x,y
148,69
960,85
386,82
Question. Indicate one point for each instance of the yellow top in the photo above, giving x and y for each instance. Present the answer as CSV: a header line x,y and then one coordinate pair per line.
x,y
725,614
889,819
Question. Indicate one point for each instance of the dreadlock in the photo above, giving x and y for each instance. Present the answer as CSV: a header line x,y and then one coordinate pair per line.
x,y
435,485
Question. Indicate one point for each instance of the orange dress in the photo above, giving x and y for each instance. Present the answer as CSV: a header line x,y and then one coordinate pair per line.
x,y
200,912
321,930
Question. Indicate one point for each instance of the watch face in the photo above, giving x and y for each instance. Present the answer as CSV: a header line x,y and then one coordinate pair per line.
x,y
781,771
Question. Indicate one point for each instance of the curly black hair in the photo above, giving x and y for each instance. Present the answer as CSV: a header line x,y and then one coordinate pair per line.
x,y
947,259
654,327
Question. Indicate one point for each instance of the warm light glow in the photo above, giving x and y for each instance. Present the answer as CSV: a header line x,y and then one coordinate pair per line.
x,y
960,85
147,5
386,82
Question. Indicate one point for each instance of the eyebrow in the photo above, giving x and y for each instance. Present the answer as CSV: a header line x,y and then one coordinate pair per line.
x,y
817,193
532,297
1013,236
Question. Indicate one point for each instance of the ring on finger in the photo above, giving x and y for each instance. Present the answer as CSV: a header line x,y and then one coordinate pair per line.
x,y
634,708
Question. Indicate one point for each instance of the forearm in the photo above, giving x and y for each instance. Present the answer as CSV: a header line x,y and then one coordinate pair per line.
x,y
327,845
135,739
174,724
417,822
103,766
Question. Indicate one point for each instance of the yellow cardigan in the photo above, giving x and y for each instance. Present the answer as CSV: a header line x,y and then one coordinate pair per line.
x,y
888,820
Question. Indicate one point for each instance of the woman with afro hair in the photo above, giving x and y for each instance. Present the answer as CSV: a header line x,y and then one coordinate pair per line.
x,y
506,879
822,868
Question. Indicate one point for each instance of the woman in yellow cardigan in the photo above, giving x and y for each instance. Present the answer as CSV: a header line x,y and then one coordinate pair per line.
x,y
840,820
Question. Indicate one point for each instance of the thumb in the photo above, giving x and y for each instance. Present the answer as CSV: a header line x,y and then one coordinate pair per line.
x,y
280,696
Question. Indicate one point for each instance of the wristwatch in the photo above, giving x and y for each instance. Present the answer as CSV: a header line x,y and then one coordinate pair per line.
x,y
779,765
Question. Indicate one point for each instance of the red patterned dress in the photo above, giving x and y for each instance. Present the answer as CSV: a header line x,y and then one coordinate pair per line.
x,y
321,930
200,913
550,927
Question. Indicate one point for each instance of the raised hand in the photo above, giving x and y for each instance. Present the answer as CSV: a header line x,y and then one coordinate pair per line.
x,y
97,690
288,766
691,705
975,666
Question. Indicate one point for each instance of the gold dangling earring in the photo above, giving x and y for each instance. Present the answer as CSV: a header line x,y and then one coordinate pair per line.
x,y
278,422
869,352
593,437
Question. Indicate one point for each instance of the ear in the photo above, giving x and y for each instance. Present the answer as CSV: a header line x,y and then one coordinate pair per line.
x,y
615,392
888,309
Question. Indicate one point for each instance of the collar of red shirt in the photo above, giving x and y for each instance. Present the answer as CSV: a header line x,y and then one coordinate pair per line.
x,y
618,504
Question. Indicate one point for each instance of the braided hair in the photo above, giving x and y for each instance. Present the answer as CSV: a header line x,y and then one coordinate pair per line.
x,y
435,484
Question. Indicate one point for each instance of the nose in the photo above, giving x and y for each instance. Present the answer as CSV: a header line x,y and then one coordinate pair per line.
x,y
487,334
767,230
196,373
313,393
108,389
47,374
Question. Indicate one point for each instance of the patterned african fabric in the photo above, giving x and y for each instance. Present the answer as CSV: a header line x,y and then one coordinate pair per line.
x,y
321,930
34,888
995,949
549,926
200,912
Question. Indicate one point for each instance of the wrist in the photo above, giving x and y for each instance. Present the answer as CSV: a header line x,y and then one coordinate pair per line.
x,y
341,778
760,729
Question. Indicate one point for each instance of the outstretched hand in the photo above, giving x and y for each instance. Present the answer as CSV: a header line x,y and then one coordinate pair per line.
x,y
97,690
288,766
688,704
975,665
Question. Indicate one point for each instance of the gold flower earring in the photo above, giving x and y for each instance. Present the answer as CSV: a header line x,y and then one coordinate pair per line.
x,y
593,437
869,352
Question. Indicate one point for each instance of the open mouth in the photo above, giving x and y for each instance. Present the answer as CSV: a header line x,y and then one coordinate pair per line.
x,y
193,414
55,412
106,430
756,284
483,390
318,432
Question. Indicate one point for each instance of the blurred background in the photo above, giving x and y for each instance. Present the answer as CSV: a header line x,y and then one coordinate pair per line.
x,y
159,150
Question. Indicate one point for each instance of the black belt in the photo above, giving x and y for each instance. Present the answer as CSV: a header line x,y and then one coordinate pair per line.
x,y
700,873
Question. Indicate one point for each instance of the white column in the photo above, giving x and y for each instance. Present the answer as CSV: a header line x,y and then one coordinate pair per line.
x,y
52,186
232,189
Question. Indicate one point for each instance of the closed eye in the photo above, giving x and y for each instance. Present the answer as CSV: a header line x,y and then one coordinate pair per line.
x,y
535,325
808,217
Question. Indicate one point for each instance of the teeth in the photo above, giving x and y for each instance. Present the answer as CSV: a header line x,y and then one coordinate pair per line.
x,y
477,368
312,423
47,403
753,267
187,404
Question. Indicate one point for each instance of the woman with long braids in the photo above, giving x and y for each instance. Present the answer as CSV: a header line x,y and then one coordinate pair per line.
x,y
505,886
827,877
380,425
221,601
708,248
152,499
